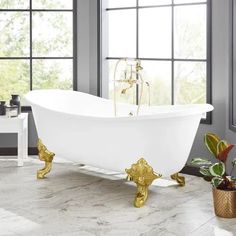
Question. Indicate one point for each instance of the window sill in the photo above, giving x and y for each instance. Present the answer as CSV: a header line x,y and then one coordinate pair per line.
x,y
232,127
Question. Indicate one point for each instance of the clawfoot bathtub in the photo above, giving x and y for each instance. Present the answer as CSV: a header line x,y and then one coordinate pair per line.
x,y
82,128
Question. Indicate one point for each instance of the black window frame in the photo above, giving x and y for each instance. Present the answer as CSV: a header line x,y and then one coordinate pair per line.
x,y
30,10
208,60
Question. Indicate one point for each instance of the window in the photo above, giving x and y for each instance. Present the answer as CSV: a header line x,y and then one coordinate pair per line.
x,y
172,39
37,45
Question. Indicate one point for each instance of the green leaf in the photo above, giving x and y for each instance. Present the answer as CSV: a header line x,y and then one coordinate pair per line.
x,y
211,141
218,169
204,170
216,181
200,161
221,146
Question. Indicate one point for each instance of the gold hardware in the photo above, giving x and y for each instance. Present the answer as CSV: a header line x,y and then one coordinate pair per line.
x,y
180,179
143,175
46,156
138,66
224,203
134,78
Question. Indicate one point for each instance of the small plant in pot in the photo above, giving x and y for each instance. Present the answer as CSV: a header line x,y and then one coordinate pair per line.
x,y
224,186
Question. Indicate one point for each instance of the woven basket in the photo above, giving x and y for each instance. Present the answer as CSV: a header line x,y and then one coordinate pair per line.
x,y
224,203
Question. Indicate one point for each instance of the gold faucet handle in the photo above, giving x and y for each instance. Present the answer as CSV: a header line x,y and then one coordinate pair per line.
x,y
138,66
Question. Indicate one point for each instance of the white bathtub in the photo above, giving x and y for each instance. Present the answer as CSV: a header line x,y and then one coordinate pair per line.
x,y
82,128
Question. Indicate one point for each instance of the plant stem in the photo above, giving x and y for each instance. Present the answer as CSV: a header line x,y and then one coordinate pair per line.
x,y
232,170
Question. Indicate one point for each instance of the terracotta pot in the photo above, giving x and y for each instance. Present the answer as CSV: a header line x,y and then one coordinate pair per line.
x,y
224,203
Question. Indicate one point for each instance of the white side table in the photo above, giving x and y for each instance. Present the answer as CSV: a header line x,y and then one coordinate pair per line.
x,y
17,125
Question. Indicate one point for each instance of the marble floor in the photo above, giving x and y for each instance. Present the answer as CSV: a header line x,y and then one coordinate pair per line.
x,y
77,200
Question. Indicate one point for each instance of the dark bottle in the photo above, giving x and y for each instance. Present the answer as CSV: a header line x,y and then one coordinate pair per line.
x,y
15,100
2,108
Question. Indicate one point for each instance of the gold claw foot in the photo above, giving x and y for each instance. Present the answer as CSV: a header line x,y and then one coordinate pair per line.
x,y
46,156
180,179
143,175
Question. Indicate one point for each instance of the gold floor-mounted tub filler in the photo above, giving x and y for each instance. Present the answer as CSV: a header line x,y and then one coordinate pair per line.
x,y
46,156
132,78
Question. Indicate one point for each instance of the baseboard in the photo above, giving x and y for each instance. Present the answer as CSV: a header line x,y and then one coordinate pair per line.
x,y
13,151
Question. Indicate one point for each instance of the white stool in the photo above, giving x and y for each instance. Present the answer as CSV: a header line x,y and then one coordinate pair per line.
x,y
17,125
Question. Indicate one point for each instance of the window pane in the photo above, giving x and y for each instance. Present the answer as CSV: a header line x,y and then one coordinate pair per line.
x,y
188,1
158,75
52,34
121,3
122,33
14,4
155,32
154,2
14,34
52,4
52,74
130,96
190,32
14,78
190,82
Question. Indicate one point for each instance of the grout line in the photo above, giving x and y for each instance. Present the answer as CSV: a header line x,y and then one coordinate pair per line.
x,y
203,224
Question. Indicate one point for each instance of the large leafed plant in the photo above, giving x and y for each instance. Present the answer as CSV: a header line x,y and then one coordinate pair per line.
x,y
216,172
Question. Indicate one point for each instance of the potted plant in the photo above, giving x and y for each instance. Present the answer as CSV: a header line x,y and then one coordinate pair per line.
x,y
223,183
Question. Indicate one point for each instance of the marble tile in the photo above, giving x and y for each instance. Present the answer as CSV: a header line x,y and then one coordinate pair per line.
x,y
80,200
217,227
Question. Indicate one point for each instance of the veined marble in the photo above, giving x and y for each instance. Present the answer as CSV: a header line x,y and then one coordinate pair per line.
x,y
76,200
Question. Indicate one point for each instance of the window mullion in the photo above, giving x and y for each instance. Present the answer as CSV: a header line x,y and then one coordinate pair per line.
x,y
172,56
137,46
31,62
75,83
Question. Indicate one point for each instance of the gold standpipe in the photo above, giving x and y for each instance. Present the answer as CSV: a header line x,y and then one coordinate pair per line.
x,y
46,156
134,78
143,175
179,179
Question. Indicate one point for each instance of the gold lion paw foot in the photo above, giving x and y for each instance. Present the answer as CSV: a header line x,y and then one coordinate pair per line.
x,y
46,156
141,196
179,179
42,173
143,175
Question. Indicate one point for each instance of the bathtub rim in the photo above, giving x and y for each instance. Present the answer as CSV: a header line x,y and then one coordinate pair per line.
x,y
195,109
